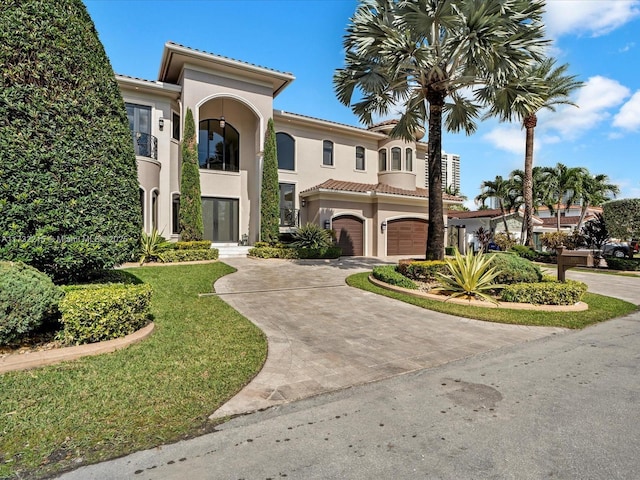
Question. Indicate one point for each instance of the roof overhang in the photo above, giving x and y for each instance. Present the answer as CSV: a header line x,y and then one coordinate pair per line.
x,y
174,58
319,124
156,88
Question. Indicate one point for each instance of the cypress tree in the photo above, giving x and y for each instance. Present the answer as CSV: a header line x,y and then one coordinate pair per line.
x,y
69,199
270,196
191,225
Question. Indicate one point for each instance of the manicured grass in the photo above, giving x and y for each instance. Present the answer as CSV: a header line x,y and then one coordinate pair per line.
x,y
158,391
600,308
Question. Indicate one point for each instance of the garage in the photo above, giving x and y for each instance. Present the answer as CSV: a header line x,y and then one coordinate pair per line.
x,y
349,234
407,236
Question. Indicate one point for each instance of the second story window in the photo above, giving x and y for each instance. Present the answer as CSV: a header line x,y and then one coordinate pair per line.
x,y
359,158
175,123
139,117
396,159
218,147
286,147
382,160
408,160
327,153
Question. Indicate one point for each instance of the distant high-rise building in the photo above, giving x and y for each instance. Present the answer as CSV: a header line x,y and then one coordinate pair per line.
x,y
450,172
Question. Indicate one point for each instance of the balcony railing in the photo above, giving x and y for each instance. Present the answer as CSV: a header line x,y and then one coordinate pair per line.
x,y
145,145
289,217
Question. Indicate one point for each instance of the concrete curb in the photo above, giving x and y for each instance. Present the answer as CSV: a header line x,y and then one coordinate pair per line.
x,y
30,360
578,307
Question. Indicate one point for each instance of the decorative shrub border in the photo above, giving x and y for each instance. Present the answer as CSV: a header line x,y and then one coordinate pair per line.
x,y
579,307
190,255
295,253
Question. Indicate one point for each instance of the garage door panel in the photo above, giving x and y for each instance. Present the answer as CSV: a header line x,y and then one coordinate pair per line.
x,y
349,234
407,236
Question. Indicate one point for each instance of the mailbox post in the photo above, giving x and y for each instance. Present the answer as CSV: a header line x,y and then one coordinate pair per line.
x,y
572,258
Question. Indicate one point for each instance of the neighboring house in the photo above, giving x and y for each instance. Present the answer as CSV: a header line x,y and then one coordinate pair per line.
x,y
358,182
462,226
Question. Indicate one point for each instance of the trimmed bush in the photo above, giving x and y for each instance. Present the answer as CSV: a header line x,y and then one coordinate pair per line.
x,y
295,253
69,195
27,299
524,252
389,274
625,264
195,245
95,313
545,293
424,271
111,276
514,269
172,256
190,212
450,250
269,193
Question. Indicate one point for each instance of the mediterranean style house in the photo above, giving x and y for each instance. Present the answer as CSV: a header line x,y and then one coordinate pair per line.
x,y
366,186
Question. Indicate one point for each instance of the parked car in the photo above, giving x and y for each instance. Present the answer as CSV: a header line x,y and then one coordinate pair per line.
x,y
617,249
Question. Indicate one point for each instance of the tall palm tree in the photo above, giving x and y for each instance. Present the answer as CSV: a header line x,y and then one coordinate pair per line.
x,y
563,186
500,190
595,190
543,86
539,192
419,55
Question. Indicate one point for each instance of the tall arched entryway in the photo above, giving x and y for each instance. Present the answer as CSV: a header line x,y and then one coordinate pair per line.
x,y
349,234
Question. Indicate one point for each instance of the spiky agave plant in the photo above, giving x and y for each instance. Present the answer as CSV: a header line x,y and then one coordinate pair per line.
x,y
152,247
471,276
311,236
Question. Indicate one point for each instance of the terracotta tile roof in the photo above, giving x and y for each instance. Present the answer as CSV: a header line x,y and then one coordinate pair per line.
x,y
487,213
564,221
342,186
308,117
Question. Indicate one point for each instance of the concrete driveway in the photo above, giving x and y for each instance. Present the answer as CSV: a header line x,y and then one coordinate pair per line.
x,y
324,335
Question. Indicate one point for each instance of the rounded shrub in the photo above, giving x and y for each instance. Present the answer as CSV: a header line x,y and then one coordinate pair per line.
x,y
514,269
524,252
27,298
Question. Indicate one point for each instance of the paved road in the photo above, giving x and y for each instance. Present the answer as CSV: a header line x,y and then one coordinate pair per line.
x,y
564,406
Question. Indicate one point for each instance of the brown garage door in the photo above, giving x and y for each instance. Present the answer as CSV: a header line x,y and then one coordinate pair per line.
x,y
406,236
349,233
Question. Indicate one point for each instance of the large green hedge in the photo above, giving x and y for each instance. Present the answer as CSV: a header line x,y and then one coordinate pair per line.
x,y
269,195
190,213
69,198
623,218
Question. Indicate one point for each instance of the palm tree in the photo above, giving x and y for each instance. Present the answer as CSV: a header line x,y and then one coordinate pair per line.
x,y
563,185
595,190
539,193
419,56
499,189
543,86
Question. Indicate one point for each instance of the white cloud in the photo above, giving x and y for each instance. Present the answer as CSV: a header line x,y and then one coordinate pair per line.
x,y
627,47
597,96
628,118
509,138
592,17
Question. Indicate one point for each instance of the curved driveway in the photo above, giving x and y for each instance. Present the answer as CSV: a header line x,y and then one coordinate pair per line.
x,y
325,336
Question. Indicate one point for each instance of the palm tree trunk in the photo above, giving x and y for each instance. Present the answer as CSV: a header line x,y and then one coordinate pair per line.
x,y
504,217
527,182
583,213
435,231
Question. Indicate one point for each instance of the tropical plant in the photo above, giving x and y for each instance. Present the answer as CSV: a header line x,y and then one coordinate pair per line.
x,y
515,269
623,218
499,189
595,232
311,235
563,185
595,190
542,86
484,238
471,276
539,194
419,57
270,193
504,240
69,200
152,247
190,212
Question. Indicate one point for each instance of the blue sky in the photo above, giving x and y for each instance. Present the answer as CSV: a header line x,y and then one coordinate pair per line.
x,y
598,38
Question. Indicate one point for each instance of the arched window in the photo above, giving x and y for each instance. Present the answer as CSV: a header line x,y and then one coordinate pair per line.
x,y
154,210
142,209
396,158
408,162
218,146
382,160
175,214
286,146
359,158
327,153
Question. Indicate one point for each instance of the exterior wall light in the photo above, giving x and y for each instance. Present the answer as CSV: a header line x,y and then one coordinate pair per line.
x,y
303,202
383,226
327,224
161,124
222,122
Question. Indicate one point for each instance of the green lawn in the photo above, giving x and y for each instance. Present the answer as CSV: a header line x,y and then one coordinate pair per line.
x,y
600,308
160,390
